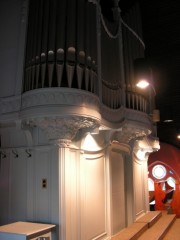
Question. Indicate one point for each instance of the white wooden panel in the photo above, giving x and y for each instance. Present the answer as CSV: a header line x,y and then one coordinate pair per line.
x,y
30,188
72,195
4,189
43,203
117,192
42,195
18,187
94,208
139,191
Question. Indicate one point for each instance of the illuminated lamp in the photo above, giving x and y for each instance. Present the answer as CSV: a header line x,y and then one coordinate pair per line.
x,y
178,136
143,79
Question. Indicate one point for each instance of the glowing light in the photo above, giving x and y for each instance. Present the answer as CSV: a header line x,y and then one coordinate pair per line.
x,y
142,84
159,171
168,120
89,143
178,136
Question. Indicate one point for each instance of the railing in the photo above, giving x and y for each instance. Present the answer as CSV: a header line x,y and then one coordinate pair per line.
x,y
137,101
112,96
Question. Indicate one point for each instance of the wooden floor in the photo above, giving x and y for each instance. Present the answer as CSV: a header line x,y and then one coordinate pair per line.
x,y
155,225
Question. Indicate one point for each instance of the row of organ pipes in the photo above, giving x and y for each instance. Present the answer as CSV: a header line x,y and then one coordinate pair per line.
x,y
62,51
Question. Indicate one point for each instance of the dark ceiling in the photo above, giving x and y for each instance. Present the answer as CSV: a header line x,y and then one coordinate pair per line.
x,y
161,30
161,33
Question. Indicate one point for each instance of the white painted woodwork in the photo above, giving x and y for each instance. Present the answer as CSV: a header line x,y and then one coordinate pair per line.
x,y
140,180
118,207
93,197
26,231
95,186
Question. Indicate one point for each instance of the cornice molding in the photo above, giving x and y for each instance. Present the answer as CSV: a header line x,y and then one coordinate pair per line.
x,y
62,112
59,96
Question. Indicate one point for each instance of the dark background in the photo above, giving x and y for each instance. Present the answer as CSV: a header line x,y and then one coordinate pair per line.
x,y
161,34
161,30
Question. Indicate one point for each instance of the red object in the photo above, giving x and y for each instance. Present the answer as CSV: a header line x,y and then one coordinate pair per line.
x,y
159,195
176,200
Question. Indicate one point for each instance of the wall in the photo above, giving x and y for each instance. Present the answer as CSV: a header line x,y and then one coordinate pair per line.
x,y
12,31
90,192
140,192
169,156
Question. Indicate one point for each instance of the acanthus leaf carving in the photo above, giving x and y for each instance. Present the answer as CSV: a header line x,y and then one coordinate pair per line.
x,y
62,128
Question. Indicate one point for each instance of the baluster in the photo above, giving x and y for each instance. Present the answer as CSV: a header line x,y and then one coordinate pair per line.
x,y
111,98
92,76
28,81
87,72
143,105
128,99
133,101
140,99
137,103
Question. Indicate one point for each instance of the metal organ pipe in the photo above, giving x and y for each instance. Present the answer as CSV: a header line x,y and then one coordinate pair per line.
x,y
61,45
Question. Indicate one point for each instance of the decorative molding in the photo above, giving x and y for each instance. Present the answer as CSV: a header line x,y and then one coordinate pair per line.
x,y
145,146
111,115
10,104
59,96
62,143
117,117
130,132
62,112
62,128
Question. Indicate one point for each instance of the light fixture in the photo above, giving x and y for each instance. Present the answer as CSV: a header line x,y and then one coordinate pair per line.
x,y
142,73
168,120
178,136
144,79
142,83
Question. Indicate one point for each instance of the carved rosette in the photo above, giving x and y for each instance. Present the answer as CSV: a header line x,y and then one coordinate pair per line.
x,y
62,129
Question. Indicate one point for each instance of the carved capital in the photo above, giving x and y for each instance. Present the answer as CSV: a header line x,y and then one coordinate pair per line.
x,y
64,129
129,133
63,143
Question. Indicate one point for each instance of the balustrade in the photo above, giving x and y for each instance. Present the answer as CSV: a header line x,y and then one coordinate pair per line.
x,y
136,101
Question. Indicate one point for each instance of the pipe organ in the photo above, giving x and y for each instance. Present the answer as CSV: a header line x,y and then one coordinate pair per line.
x,y
61,45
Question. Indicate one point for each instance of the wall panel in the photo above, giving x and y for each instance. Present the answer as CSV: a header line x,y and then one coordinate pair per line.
x,y
139,191
93,195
